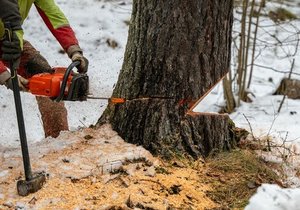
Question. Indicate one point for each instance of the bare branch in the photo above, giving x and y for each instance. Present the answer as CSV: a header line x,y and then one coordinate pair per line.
x,y
276,70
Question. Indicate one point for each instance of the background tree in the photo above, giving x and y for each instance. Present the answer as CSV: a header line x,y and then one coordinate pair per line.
x,y
254,39
176,51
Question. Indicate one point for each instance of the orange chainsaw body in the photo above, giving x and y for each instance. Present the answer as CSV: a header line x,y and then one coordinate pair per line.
x,y
50,85
46,84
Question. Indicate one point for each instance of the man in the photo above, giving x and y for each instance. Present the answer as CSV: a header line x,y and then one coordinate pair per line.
x,y
54,115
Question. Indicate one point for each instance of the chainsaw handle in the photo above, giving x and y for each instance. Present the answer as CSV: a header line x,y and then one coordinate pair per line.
x,y
65,80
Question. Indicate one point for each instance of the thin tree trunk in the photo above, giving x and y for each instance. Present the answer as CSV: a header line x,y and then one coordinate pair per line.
x,y
228,95
254,42
241,54
247,48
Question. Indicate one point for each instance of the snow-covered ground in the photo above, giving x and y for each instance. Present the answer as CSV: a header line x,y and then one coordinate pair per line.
x,y
272,197
102,20
277,49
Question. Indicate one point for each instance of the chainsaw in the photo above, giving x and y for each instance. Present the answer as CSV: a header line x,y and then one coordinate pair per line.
x,y
63,84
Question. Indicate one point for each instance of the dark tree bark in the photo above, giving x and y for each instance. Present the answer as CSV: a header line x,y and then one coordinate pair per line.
x,y
176,51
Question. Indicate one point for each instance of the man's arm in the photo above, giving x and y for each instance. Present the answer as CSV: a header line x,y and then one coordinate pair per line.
x,y
60,28
57,23
9,12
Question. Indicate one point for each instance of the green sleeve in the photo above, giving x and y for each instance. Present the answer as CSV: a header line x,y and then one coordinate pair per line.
x,y
52,12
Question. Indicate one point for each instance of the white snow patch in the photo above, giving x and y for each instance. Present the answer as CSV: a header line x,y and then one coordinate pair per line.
x,y
272,197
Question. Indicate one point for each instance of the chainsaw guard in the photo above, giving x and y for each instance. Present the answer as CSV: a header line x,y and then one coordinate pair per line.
x,y
78,89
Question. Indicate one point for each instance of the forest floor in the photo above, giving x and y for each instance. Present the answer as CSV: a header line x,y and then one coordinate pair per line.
x,y
118,175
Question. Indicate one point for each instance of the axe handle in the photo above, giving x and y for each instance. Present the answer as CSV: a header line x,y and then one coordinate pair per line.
x,y
18,104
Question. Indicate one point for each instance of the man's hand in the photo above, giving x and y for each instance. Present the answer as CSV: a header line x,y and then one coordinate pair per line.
x,y
83,66
23,83
5,79
11,50
75,53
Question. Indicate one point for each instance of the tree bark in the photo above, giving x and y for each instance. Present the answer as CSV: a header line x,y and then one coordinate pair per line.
x,y
54,116
176,51
290,88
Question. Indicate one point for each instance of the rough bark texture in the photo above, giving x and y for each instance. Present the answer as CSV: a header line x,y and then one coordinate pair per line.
x,y
54,116
176,48
176,51
204,133
290,88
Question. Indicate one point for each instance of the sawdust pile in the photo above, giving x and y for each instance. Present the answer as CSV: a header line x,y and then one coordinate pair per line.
x,y
96,169
180,189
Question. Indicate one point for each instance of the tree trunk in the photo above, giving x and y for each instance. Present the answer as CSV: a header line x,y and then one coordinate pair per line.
x,y
176,51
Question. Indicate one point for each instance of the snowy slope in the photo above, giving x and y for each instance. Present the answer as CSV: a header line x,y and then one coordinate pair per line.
x,y
261,116
98,22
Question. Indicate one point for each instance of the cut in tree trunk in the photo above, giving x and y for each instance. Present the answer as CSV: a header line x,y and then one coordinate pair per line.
x,y
176,52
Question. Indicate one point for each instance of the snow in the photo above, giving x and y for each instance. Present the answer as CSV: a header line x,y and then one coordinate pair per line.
x,y
102,20
264,119
272,197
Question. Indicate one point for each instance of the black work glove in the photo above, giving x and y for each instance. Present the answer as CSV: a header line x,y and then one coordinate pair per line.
x,y
11,50
84,63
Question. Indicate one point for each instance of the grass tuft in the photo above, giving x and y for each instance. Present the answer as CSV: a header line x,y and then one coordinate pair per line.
x,y
235,177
